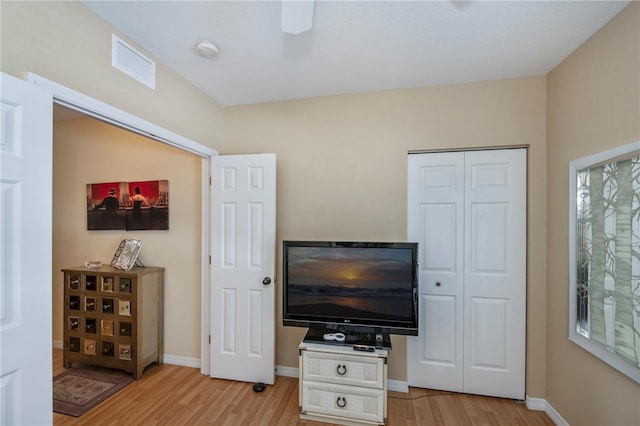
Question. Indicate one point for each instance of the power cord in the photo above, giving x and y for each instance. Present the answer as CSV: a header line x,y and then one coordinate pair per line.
x,y
424,396
517,401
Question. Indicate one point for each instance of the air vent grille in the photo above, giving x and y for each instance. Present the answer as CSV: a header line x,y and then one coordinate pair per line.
x,y
133,63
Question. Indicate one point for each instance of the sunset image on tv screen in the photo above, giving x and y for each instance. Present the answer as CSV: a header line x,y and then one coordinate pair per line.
x,y
350,282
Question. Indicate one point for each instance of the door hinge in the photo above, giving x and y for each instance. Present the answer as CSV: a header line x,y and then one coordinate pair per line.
x,y
209,339
210,181
209,260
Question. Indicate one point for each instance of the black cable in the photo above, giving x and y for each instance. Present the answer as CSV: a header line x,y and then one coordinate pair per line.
x,y
423,396
517,401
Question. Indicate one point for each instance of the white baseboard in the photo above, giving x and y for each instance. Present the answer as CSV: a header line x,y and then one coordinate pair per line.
x,y
168,359
398,386
555,416
536,404
182,361
539,404
284,371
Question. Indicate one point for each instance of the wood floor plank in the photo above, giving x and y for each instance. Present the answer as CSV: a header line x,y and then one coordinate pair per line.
x,y
171,395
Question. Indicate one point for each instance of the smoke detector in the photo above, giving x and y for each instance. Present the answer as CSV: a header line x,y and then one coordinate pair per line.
x,y
207,49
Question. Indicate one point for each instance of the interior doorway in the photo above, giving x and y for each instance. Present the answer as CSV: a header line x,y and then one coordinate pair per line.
x,y
81,104
86,152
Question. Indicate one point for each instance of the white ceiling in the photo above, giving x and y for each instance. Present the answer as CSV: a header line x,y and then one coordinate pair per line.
x,y
355,46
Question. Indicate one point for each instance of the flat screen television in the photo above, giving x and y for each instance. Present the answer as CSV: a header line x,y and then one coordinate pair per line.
x,y
356,288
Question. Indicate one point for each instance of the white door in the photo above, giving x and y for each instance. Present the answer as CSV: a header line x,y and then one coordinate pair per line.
x,y
495,272
488,335
25,248
435,219
243,268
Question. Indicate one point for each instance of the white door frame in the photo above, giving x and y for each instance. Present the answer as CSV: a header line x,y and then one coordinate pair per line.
x,y
77,101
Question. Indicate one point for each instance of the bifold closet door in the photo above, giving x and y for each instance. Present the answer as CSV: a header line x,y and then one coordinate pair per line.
x,y
436,221
467,210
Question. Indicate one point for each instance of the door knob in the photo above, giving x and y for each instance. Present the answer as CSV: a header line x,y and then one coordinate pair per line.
x,y
266,281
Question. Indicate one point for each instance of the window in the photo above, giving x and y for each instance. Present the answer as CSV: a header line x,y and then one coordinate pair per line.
x,y
604,298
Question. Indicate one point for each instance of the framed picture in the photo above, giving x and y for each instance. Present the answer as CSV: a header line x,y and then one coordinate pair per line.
x,y
105,207
147,206
126,254
139,206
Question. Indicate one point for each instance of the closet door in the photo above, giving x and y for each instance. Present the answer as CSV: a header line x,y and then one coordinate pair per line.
x,y
489,329
435,220
495,272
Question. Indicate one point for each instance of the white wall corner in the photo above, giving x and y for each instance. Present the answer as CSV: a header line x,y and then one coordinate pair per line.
x,y
281,370
398,386
539,404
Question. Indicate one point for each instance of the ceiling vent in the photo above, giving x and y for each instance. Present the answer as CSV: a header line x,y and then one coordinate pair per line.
x,y
133,63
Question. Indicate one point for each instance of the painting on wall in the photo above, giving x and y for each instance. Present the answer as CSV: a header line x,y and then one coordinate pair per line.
x,y
105,207
142,205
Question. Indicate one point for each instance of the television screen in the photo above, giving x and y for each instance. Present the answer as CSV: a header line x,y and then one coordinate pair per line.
x,y
354,285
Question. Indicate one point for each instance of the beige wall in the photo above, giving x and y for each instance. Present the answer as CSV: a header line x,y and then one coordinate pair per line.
x,y
593,105
88,151
67,43
342,173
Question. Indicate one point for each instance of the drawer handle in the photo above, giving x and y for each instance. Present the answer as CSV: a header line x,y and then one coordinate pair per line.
x,y
341,401
342,369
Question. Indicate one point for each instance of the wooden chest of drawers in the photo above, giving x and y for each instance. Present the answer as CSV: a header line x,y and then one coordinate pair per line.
x,y
113,318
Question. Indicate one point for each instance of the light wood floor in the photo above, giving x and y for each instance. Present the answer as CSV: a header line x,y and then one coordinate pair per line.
x,y
172,395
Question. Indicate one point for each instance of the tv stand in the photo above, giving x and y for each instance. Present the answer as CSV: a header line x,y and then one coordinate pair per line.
x,y
341,385
374,340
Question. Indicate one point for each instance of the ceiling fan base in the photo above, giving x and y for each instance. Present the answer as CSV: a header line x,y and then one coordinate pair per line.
x,y
296,16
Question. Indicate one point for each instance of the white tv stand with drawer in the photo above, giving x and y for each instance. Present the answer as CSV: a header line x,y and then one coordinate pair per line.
x,y
341,385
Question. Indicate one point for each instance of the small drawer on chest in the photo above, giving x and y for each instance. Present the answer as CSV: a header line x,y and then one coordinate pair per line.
x,y
343,401
343,369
